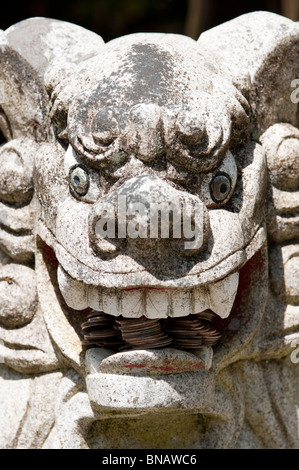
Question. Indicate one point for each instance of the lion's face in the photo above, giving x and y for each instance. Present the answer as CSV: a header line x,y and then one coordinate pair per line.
x,y
144,182
143,302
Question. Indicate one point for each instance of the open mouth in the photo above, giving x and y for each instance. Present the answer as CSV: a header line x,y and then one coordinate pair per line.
x,y
186,322
123,345
190,332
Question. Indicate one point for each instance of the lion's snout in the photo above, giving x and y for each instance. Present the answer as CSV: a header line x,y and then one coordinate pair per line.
x,y
146,212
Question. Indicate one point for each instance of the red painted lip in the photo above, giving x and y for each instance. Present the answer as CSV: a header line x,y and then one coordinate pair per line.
x,y
166,368
153,363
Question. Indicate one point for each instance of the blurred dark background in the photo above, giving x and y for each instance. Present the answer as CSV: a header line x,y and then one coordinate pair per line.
x,y
113,18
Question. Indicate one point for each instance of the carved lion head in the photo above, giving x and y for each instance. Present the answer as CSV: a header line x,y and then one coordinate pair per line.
x,y
148,223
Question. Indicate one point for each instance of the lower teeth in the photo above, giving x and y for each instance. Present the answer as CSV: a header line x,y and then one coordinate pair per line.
x,y
191,332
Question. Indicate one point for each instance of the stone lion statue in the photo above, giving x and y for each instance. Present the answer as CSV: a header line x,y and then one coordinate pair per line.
x,y
117,334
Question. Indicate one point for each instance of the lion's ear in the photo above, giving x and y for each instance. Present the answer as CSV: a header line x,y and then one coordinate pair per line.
x,y
53,50
24,110
259,52
45,43
29,52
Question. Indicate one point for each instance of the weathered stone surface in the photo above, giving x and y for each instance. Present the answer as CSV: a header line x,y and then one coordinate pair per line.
x,y
149,270
156,362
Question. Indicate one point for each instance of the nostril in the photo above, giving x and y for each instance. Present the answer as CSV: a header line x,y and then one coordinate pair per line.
x,y
104,244
195,231
107,246
103,230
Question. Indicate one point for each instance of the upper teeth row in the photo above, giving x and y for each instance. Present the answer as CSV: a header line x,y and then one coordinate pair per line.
x,y
150,302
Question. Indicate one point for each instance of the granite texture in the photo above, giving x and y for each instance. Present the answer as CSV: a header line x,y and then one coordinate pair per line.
x,y
151,121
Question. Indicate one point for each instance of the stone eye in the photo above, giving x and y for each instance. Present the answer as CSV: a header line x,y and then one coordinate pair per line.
x,y
79,180
220,188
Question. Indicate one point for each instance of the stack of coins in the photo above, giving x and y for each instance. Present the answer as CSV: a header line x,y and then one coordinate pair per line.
x,y
193,332
99,331
143,333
